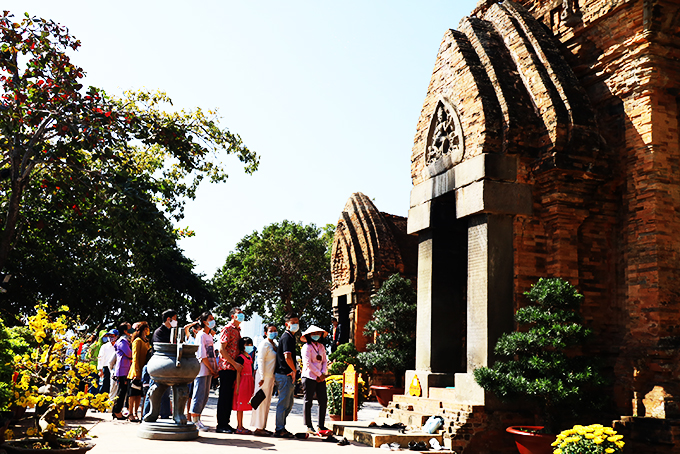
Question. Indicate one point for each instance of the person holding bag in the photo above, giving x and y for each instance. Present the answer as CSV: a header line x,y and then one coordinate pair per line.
x,y
266,365
140,348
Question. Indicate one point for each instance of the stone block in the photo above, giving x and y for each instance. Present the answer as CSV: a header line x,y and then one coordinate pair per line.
x,y
493,197
429,380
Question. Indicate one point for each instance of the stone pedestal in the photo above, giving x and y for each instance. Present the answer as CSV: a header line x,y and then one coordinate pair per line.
x,y
427,381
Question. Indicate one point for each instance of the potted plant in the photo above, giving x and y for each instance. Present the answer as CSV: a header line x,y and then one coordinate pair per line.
x,y
589,439
342,357
334,393
50,376
542,362
393,327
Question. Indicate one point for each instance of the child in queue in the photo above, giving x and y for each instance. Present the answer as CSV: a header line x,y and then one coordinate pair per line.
x,y
245,383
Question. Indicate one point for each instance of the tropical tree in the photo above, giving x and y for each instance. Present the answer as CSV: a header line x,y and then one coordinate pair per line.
x,y
89,182
279,270
393,326
50,125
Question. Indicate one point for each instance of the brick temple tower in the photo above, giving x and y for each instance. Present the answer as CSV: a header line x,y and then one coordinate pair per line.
x,y
369,246
548,146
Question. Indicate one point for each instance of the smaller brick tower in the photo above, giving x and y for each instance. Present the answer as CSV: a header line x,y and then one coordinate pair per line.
x,y
369,247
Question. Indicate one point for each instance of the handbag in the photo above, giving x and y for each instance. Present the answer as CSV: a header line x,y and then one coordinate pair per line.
x,y
257,399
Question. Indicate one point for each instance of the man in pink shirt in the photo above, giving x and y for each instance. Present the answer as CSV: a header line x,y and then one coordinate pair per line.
x,y
229,338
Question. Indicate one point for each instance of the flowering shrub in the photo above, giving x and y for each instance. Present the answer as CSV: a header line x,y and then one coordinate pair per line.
x,y
593,439
334,393
50,377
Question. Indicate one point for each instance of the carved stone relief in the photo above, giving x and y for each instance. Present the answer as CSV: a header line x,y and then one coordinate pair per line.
x,y
445,138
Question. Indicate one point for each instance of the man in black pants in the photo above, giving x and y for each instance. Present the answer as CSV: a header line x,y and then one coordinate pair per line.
x,y
229,338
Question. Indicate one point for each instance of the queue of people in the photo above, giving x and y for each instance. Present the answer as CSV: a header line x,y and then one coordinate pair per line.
x,y
242,374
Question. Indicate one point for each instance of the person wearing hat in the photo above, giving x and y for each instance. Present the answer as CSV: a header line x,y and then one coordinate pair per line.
x,y
104,357
314,372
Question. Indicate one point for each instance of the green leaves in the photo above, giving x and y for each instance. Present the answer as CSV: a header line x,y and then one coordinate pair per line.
x,y
394,326
282,269
543,359
89,182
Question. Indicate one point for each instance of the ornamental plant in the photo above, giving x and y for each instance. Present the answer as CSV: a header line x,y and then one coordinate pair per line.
x,y
593,439
51,377
334,393
542,361
393,326
342,357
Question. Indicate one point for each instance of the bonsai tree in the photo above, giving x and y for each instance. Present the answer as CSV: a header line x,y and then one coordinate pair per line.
x,y
542,361
341,358
394,329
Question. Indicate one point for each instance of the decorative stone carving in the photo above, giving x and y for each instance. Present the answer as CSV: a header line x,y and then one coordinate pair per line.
x,y
445,138
570,14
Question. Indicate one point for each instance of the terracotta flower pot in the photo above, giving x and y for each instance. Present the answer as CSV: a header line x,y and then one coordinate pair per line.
x,y
531,443
384,394
335,417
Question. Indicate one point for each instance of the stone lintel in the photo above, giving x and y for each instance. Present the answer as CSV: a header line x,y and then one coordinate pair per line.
x,y
483,184
428,379
486,166
342,290
419,218
493,197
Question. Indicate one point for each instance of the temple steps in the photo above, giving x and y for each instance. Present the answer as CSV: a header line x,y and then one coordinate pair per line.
x,y
461,420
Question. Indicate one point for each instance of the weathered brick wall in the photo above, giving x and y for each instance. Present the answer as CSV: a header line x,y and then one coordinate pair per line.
x,y
595,119
369,246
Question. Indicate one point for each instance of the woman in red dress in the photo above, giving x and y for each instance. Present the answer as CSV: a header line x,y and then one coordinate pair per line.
x,y
245,383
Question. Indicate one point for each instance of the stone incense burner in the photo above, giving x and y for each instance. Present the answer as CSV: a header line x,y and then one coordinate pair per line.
x,y
172,365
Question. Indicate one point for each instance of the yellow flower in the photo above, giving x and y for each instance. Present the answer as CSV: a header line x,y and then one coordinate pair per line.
x,y
609,450
619,444
31,431
557,451
590,436
598,440
9,435
614,438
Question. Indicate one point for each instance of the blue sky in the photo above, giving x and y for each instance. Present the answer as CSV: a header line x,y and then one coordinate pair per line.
x,y
327,93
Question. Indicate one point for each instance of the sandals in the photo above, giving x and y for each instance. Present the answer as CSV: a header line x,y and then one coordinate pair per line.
x,y
243,431
283,434
261,433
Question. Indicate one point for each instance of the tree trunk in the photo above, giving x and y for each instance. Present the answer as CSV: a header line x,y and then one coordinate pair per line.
x,y
8,234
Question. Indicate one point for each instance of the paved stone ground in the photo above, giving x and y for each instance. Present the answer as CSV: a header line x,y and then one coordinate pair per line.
x,y
119,437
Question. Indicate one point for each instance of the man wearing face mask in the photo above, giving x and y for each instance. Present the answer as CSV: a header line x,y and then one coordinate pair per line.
x,y
162,333
206,355
228,366
285,374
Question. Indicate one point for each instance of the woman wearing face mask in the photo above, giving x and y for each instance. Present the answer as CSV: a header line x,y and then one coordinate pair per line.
x,y
245,383
314,370
266,365
140,347
206,355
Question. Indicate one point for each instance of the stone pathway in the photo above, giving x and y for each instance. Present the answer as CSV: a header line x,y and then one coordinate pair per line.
x,y
119,437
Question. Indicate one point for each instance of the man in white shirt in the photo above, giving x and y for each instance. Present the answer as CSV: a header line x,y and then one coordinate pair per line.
x,y
106,354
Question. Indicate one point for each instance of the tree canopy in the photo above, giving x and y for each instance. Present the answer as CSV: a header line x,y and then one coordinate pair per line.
x,y
89,182
394,326
279,270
